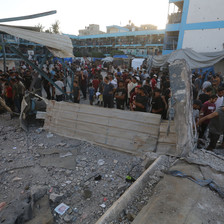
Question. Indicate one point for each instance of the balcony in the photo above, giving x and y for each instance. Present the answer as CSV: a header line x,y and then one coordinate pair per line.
x,y
170,43
174,18
175,12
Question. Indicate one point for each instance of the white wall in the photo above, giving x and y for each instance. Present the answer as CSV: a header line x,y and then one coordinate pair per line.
x,y
204,40
205,11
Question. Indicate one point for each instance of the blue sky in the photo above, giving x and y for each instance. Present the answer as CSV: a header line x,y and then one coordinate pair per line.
x,y
74,15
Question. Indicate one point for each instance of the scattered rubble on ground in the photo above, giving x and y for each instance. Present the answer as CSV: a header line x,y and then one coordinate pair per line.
x,y
38,171
60,180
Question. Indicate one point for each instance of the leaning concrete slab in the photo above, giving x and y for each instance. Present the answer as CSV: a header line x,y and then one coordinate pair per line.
x,y
181,87
181,201
132,132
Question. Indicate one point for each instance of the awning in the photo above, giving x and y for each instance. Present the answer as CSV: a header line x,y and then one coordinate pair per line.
x,y
193,58
59,45
108,59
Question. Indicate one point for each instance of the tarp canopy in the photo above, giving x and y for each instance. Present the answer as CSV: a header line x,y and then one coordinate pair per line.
x,y
108,59
121,56
137,62
59,45
193,58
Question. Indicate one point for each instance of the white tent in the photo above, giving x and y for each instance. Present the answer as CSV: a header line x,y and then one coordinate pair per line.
x,y
107,59
137,62
194,59
59,45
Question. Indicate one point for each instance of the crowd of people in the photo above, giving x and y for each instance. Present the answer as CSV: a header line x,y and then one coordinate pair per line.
x,y
122,88
125,89
208,110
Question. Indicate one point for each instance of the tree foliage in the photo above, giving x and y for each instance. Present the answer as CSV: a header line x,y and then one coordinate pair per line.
x,y
40,27
54,28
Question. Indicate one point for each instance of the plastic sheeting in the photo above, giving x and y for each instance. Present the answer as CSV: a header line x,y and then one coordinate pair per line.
x,y
137,62
59,45
193,58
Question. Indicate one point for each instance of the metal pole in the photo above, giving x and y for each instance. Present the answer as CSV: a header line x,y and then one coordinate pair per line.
x,y
4,55
41,72
28,17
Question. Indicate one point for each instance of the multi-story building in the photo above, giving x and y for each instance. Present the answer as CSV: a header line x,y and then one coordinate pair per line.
x,y
92,29
195,24
141,42
24,46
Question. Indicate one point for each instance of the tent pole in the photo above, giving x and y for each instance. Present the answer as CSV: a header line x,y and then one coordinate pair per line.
x,y
4,54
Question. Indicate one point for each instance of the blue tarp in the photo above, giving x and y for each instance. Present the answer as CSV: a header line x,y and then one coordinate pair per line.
x,y
206,70
120,56
63,59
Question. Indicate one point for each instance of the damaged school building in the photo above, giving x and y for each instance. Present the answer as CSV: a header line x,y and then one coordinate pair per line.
x,y
178,183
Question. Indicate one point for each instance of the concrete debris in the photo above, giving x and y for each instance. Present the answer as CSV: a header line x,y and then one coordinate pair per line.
x,y
100,162
50,135
16,179
55,197
66,154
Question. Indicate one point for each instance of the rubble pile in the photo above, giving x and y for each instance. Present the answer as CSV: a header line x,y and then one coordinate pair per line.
x,y
40,171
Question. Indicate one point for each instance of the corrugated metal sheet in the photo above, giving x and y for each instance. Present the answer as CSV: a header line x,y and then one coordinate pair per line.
x,y
59,45
132,132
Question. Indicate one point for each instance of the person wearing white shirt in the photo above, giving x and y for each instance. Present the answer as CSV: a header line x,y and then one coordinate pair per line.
x,y
220,101
57,92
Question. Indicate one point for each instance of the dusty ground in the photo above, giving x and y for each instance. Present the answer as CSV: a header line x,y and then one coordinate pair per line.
x,y
85,177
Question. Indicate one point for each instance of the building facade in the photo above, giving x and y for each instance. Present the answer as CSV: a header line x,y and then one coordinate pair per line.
x,y
139,43
26,47
196,24
92,29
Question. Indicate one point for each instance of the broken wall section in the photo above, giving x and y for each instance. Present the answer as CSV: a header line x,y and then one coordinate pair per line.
x,y
127,131
181,87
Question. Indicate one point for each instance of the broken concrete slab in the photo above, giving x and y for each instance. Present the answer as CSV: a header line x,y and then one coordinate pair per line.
x,y
42,212
177,201
116,129
17,211
56,161
60,158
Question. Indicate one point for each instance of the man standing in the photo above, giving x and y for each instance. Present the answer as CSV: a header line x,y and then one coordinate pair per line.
x,y
216,126
107,93
120,95
57,92
83,83
220,100
141,100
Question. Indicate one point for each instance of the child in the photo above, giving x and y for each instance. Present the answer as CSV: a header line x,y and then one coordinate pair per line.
x,y
207,108
196,108
91,93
